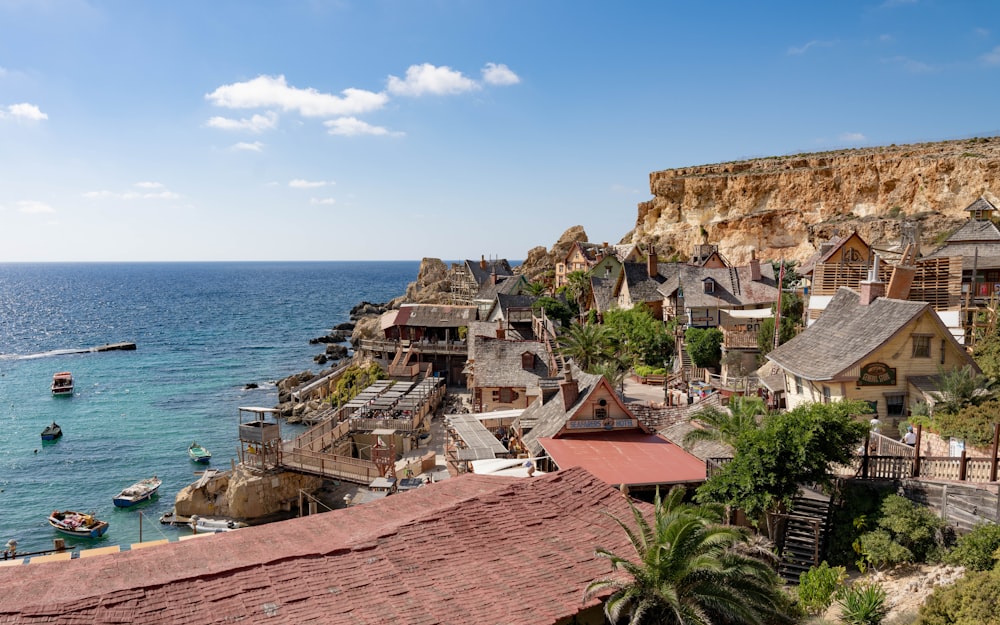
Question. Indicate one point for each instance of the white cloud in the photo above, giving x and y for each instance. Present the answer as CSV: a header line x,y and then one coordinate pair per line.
x,y
853,137
325,200
256,124
33,207
256,146
499,74
150,191
982,32
992,57
23,111
912,66
268,91
299,183
352,126
427,79
815,43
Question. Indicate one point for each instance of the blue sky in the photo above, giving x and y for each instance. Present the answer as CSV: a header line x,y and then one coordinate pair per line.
x,y
316,130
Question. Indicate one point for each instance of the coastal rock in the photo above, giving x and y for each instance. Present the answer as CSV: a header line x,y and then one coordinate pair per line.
x,y
345,327
365,309
320,359
785,206
336,351
540,265
244,494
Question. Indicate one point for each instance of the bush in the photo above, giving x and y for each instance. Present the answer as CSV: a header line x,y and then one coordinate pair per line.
x,y
975,550
704,345
970,601
903,532
973,424
863,604
817,586
879,550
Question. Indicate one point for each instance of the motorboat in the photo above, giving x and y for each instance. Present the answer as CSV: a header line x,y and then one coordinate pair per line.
x,y
77,524
138,492
51,432
62,384
199,454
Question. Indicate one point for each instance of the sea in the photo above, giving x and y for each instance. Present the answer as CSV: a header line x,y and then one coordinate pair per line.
x,y
203,332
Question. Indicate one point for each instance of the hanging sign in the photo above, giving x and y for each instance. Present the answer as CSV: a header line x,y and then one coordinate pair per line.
x,y
877,374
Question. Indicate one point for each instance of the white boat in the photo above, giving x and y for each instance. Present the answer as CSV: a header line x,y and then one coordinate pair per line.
x,y
138,492
62,383
201,525
199,454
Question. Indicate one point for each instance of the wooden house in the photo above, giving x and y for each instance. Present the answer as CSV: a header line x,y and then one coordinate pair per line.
x,y
699,294
867,347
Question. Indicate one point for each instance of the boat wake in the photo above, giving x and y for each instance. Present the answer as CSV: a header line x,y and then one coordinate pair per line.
x,y
71,350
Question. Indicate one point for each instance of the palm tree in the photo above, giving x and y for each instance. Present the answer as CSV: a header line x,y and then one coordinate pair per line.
x,y
578,288
725,426
536,288
589,344
959,388
689,571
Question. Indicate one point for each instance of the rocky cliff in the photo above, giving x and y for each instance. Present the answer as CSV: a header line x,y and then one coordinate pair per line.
x,y
783,206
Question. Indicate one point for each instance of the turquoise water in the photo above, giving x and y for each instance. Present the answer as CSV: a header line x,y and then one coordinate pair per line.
x,y
203,331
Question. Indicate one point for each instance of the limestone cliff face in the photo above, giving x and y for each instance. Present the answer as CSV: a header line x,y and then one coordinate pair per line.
x,y
783,206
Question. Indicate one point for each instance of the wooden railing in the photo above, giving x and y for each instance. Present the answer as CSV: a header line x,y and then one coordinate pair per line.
x,y
330,465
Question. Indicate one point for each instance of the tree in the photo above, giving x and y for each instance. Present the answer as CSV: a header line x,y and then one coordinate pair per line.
x,y
536,288
589,344
791,276
687,570
641,337
789,449
554,309
791,320
704,345
960,387
726,426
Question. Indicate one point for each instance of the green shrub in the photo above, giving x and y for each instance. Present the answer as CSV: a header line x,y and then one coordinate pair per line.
x,y
863,604
913,526
817,586
976,550
856,504
973,424
878,550
644,370
971,600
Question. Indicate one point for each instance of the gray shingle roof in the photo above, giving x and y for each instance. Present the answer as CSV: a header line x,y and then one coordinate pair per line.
x,y
844,335
982,204
498,363
732,286
505,284
604,294
642,287
482,276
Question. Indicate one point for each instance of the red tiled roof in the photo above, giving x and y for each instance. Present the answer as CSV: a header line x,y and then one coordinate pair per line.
x,y
472,550
629,457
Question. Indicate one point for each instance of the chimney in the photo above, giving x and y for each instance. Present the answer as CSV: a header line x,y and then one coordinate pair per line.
x,y
872,288
902,276
482,262
652,263
493,276
754,267
570,390
501,333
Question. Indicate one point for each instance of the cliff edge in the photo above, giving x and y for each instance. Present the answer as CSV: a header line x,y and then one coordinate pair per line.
x,y
784,206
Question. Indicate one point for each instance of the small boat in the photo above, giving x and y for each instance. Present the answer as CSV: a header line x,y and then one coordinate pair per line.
x,y
138,492
51,432
62,383
213,526
77,524
199,453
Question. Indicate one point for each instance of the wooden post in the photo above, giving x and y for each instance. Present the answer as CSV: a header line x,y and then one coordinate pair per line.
x,y
962,463
864,459
916,452
993,455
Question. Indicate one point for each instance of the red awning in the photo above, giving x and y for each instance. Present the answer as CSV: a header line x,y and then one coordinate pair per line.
x,y
632,458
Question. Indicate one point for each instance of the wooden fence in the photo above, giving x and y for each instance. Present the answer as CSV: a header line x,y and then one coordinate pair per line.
x,y
962,506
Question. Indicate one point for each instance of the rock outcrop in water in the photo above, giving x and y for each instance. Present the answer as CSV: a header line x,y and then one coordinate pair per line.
x,y
783,206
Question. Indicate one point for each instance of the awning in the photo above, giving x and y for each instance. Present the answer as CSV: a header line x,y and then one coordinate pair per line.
x,y
632,458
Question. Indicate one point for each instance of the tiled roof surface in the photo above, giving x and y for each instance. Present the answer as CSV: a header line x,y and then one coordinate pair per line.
x,y
435,316
506,284
551,416
733,286
604,293
982,204
501,267
470,550
498,363
844,334
642,287
626,457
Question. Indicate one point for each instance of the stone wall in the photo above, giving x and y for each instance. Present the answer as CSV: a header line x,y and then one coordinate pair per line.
x,y
244,494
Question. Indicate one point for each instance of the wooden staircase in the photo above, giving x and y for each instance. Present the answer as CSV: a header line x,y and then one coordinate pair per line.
x,y
805,534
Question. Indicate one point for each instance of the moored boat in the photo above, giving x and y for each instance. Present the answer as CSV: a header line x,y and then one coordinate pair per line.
x,y
51,432
138,492
202,525
199,453
62,383
77,524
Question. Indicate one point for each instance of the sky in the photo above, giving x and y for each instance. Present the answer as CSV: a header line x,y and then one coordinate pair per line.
x,y
404,129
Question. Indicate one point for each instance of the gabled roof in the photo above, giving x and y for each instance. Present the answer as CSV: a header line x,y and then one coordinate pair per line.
x,y
845,334
732,286
981,204
603,291
509,285
436,555
975,231
550,417
826,251
500,266
498,363
433,316
642,287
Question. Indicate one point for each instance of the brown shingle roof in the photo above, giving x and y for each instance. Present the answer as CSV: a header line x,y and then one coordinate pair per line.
x,y
498,363
845,334
471,550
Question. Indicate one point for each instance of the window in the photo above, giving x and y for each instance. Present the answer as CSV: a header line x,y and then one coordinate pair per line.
x,y
709,285
921,346
507,395
943,344
852,255
798,385
826,394
895,405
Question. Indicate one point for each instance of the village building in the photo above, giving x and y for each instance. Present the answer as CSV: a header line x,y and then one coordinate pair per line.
x,y
699,294
585,423
504,374
639,284
707,255
866,347
474,549
468,279
418,337
584,256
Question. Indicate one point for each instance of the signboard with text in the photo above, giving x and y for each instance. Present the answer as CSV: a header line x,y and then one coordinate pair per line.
x,y
877,374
